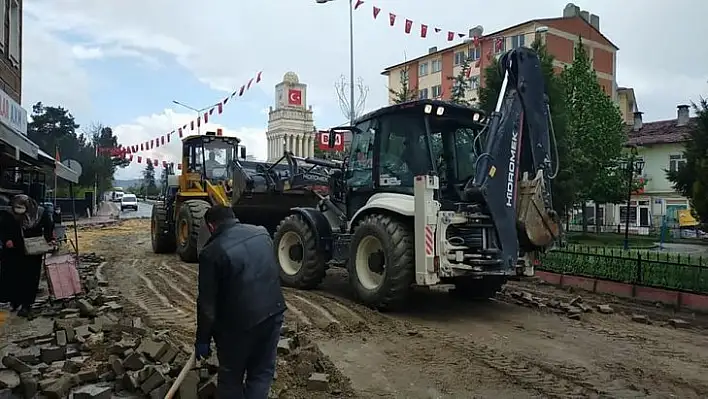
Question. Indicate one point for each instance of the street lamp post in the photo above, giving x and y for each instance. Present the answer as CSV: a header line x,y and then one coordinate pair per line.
x,y
198,111
632,165
351,58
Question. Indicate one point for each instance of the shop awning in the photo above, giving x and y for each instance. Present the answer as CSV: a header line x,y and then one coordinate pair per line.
x,y
686,219
19,141
60,169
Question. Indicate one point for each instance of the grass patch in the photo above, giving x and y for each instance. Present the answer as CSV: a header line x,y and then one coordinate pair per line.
x,y
610,240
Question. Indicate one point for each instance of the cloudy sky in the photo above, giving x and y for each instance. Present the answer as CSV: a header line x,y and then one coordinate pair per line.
x,y
122,62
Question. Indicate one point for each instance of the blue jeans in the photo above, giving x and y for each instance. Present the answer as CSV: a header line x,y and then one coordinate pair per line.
x,y
251,353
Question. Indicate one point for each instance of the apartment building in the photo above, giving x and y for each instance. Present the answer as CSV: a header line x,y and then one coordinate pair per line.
x,y
429,73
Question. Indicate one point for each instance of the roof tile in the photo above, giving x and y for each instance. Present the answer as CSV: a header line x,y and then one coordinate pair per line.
x,y
661,132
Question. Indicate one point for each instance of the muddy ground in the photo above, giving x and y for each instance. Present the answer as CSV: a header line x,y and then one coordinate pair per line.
x,y
441,348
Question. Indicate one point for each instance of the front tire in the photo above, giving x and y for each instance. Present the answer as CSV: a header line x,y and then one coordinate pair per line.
x,y
381,262
189,221
161,231
302,264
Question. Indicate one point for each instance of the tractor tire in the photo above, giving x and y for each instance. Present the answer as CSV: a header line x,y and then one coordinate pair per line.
x,y
468,289
189,220
161,231
381,239
302,264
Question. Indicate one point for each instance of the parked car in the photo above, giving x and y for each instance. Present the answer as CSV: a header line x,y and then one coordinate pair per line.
x,y
128,201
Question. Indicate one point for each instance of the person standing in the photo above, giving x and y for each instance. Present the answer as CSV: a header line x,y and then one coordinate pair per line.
x,y
240,305
21,271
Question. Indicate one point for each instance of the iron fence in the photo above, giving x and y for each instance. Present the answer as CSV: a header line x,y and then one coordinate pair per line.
x,y
670,233
674,271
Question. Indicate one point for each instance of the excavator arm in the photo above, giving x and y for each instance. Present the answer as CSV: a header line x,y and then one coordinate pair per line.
x,y
514,173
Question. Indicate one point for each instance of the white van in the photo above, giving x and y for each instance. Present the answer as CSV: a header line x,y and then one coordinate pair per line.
x,y
128,201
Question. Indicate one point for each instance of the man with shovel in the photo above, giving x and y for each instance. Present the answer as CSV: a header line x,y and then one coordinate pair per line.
x,y
240,304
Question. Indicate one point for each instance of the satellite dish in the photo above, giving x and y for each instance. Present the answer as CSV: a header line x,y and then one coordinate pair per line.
x,y
73,165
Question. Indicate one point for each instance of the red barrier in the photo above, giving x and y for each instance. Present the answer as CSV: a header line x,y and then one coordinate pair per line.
x,y
686,300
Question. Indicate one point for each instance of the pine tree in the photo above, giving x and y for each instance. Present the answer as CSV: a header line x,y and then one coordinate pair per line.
x,y
691,179
461,83
149,179
563,187
406,92
597,132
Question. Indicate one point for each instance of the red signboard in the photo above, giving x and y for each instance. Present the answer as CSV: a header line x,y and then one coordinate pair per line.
x,y
323,141
294,97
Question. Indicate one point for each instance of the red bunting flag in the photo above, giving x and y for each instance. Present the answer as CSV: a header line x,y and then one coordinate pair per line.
x,y
155,162
180,133
191,125
376,12
391,18
409,26
240,92
423,30
140,159
450,36
358,4
164,164
258,77
206,117
162,140
220,108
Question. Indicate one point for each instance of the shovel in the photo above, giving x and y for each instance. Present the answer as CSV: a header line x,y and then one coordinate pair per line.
x,y
182,375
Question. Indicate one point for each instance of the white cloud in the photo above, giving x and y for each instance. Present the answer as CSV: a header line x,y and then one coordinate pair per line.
x,y
50,73
153,126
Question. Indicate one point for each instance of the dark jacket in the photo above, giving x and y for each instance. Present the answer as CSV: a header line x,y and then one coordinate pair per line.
x,y
11,230
239,281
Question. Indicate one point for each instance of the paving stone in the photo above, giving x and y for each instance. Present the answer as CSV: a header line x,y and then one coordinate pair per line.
x,y
679,323
30,384
88,376
638,318
114,306
73,365
129,382
16,364
59,388
53,353
134,362
284,346
7,394
169,355
60,338
82,331
116,365
29,355
152,349
605,309
93,391
9,379
160,392
155,380
145,373
318,382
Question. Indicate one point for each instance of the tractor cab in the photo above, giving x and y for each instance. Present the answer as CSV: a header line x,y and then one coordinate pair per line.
x,y
392,145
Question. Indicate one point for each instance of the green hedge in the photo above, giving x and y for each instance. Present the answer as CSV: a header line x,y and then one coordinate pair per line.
x,y
662,270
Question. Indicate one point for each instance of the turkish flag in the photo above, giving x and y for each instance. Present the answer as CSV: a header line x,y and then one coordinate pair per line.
x,y
191,125
294,97
135,149
152,144
142,148
220,107
391,18
259,76
437,30
241,90
376,12
130,158
162,140
206,117
155,162
358,4
140,159
170,134
180,133
250,82
450,36
409,25
164,164
423,30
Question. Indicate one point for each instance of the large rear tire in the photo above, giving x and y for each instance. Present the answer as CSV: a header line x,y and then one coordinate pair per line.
x,y
381,262
302,264
161,231
189,221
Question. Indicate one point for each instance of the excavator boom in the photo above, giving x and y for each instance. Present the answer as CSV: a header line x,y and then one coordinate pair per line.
x,y
514,173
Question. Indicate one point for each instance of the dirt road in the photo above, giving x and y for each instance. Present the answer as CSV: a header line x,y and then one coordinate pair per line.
x,y
444,348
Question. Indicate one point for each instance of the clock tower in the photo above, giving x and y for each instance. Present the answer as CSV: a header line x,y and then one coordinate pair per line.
x,y
290,124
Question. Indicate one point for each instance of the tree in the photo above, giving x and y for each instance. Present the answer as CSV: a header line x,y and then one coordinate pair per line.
x,y
406,92
597,134
461,83
361,91
691,179
105,165
149,179
563,186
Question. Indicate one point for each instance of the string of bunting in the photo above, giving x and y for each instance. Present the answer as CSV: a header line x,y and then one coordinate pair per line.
x,y
424,30
218,108
148,160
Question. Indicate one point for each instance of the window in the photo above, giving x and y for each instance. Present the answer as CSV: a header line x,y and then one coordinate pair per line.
x,y
15,20
676,161
518,41
475,53
3,17
437,91
423,93
436,66
361,159
459,58
474,82
632,214
423,69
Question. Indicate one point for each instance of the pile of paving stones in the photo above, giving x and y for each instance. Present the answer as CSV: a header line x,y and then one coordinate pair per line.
x,y
576,307
96,350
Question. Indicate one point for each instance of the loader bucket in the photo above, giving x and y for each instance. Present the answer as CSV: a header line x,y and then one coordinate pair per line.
x,y
541,226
